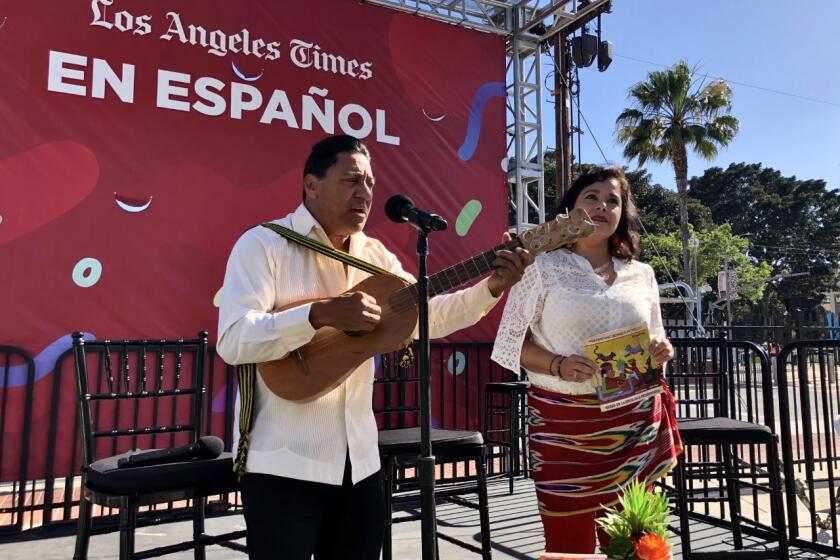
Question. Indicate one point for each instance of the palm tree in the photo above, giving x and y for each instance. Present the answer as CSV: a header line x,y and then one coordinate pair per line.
x,y
670,112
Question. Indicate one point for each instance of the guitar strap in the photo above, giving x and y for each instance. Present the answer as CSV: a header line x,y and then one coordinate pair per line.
x,y
331,252
247,373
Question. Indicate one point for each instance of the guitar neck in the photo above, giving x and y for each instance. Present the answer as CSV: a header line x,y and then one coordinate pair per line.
x,y
562,230
454,276
467,270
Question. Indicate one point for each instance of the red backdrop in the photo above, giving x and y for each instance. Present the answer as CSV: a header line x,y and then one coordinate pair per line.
x,y
141,138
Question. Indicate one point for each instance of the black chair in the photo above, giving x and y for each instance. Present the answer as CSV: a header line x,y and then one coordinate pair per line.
x,y
399,449
505,424
715,433
145,394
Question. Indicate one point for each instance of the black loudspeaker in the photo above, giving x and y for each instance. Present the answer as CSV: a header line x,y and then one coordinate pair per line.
x,y
604,55
584,50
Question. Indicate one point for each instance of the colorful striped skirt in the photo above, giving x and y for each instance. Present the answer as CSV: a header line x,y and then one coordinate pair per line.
x,y
583,457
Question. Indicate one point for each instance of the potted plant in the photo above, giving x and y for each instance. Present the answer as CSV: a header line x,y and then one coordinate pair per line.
x,y
639,526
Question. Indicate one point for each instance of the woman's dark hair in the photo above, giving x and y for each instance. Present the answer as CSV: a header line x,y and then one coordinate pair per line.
x,y
624,243
325,153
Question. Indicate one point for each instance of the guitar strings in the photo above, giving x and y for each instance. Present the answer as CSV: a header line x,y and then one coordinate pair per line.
x,y
404,296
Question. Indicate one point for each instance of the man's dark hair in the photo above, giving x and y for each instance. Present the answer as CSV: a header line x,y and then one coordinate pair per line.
x,y
626,244
325,153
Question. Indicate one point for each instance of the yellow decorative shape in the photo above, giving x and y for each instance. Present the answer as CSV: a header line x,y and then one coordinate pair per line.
x,y
217,299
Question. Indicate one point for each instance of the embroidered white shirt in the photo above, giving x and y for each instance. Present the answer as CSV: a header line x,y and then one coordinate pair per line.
x,y
563,302
310,441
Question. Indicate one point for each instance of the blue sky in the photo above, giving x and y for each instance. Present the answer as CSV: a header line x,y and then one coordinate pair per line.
x,y
791,47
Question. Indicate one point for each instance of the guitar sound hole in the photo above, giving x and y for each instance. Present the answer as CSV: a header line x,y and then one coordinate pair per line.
x,y
354,333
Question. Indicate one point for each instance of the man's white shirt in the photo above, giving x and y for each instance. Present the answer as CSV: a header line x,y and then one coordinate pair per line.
x,y
265,271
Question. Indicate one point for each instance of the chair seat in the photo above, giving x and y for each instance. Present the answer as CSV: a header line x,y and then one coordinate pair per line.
x,y
507,387
406,441
722,430
104,475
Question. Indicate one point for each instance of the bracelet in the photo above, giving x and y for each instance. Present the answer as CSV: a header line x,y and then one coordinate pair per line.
x,y
551,369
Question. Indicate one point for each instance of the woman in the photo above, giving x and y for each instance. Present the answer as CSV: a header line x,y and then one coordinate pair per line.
x,y
582,457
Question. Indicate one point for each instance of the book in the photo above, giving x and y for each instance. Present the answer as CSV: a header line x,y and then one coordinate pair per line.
x,y
627,372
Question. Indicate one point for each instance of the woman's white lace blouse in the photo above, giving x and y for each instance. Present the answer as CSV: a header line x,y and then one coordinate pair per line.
x,y
563,302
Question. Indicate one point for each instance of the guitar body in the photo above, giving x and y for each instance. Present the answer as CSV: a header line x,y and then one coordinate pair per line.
x,y
332,355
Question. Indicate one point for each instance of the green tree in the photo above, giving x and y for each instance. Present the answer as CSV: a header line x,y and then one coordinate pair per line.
x,y
715,246
792,224
671,112
658,206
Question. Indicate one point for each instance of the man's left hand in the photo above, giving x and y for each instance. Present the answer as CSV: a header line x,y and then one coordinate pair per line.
x,y
508,267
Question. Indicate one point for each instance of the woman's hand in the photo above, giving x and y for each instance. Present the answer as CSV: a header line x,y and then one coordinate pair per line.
x,y
574,368
661,350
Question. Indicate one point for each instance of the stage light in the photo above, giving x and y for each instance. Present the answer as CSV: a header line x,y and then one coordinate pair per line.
x,y
604,55
584,50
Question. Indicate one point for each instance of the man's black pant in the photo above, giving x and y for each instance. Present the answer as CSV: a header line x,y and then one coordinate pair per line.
x,y
292,519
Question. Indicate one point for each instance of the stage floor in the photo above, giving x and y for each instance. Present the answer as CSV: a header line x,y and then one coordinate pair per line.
x,y
515,528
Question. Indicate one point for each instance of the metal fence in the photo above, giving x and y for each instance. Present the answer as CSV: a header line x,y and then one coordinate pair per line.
x,y
717,377
39,449
41,463
44,490
459,372
809,410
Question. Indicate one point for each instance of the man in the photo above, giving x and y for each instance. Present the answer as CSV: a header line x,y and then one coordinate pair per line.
x,y
312,484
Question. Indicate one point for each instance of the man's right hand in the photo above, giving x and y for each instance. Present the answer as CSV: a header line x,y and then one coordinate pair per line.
x,y
351,311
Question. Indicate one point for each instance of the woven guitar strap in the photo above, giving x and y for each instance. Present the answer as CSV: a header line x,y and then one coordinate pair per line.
x,y
247,373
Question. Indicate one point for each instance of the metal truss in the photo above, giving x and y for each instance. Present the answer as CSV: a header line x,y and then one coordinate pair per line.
x,y
527,25
524,132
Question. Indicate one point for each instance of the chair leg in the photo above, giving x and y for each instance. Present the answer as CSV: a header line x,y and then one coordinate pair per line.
x,y
198,526
776,492
513,442
388,483
83,525
682,503
483,509
128,523
733,495
488,424
523,437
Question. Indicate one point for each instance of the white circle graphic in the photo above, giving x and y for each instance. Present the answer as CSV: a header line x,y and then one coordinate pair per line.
x,y
87,271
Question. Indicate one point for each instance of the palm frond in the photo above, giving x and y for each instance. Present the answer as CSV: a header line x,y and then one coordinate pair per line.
x,y
629,117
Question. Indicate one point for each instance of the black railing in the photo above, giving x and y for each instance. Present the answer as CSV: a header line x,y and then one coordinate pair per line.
x,y
807,374
17,371
39,449
718,377
459,372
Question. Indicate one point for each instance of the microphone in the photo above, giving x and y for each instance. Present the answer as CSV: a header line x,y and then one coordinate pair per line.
x,y
400,208
207,447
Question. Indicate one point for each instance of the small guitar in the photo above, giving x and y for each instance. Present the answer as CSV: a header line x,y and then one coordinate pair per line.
x,y
332,355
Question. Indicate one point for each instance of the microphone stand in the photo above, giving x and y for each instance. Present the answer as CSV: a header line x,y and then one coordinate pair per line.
x,y
425,461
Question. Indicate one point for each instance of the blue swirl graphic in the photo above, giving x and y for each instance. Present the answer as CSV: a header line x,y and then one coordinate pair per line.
x,y
480,99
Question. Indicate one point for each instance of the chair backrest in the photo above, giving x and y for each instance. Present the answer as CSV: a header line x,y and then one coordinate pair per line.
x,y
720,377
698,377
138,393
459,372
397,400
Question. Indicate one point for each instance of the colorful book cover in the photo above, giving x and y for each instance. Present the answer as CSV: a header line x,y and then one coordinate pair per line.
x,y
628,373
